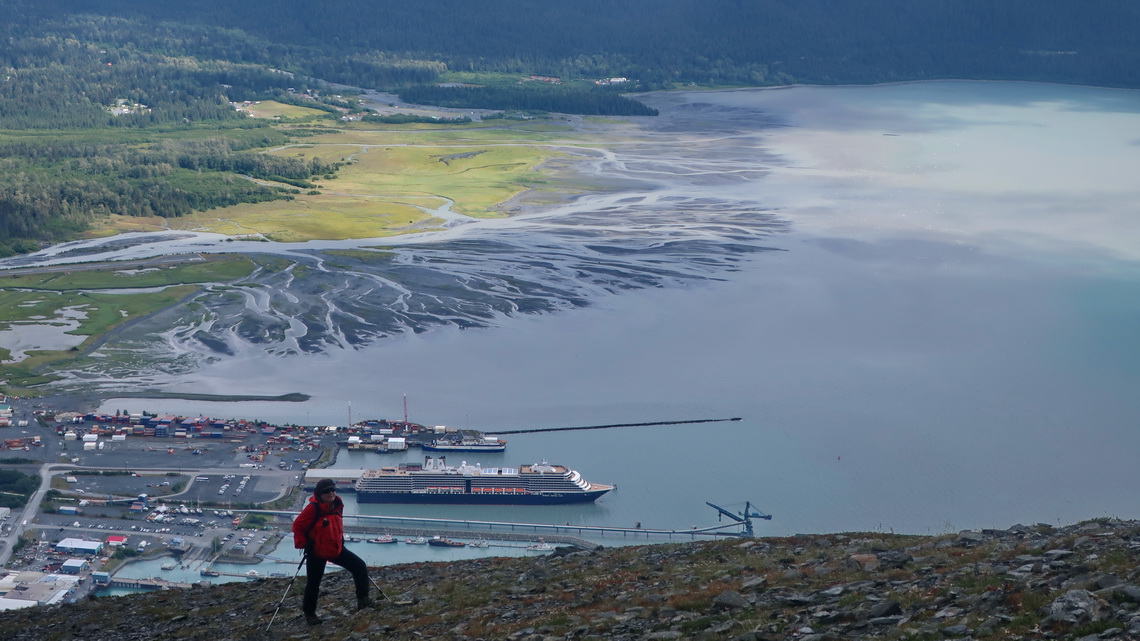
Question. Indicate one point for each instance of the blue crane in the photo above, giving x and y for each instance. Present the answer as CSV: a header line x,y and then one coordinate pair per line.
x,y
745,517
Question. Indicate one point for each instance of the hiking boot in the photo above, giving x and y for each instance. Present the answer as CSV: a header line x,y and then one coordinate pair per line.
x,y
365,602
313,619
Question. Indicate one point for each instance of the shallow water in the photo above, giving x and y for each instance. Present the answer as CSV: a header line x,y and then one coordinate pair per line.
x,y
945,337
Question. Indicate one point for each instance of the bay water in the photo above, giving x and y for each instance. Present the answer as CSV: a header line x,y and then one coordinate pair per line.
x,y
946,336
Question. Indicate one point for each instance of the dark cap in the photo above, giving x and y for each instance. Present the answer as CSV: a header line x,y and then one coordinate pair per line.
x,y
323,486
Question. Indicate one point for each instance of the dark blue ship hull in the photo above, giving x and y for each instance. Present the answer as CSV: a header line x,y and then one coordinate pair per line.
x,y
458,498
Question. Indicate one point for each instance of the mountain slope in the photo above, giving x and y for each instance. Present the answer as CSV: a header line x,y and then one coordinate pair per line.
x,y
1020,583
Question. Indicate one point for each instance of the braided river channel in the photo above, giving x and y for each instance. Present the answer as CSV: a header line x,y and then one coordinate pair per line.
x,y
922,299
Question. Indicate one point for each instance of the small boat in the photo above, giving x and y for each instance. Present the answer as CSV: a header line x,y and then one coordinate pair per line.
x,y
383,539
481,543
352,539
210,573
253,573
419,540
541,546
445,543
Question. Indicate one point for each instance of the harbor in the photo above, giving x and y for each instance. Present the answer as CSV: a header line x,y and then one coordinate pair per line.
x,y
414,539
368,525
198,500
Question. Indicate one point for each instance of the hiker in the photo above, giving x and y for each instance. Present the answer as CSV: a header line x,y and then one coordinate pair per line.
x,y
319,530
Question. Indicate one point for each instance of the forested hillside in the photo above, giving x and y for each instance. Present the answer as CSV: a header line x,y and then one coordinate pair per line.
x,y
105,86
660,42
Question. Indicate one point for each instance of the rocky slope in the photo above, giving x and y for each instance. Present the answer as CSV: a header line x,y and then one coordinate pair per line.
x,y
1026,582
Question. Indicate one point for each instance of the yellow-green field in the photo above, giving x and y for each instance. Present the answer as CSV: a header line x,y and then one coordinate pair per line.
x,y
280,111
394,177
327,216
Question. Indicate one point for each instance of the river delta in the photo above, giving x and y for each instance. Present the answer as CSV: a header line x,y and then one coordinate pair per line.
x,y
921,299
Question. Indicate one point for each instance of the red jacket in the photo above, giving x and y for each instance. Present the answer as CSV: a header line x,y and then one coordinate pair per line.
x,y
319,528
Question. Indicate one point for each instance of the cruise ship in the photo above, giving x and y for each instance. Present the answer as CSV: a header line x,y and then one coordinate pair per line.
x,y
434,481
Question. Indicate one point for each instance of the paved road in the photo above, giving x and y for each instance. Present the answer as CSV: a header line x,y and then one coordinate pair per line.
x,y
25,518
217,460
20,521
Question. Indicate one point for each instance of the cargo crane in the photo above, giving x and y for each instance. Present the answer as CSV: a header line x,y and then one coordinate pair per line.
x,y
744,518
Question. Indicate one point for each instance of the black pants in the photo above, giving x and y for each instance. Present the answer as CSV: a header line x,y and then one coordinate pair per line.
x,y
315,570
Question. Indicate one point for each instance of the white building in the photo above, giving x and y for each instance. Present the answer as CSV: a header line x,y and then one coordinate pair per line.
x,y
27,589
79,546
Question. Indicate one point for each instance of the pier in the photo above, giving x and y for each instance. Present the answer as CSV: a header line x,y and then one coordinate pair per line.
x,y
507,530
148,584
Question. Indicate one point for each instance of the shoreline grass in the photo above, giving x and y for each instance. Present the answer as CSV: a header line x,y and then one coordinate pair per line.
x,y
99,299
393,178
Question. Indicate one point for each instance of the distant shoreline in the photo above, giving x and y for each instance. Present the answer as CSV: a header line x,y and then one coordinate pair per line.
x,y
87,402
292,397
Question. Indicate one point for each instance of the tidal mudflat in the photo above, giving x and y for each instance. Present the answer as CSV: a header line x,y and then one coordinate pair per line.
x,y
921,299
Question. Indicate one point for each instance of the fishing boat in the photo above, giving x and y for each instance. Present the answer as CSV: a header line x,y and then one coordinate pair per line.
x,y
419,540
383,539
541,546
466,444
210,573
441,542
434,481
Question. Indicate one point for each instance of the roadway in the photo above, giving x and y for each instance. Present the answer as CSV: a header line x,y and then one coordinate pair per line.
x,y
152,465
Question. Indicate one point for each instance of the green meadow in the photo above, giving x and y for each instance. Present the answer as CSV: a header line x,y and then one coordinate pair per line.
x,y
393,178
280,111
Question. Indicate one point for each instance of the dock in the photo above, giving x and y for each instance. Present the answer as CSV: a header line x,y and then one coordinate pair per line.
x,y
507,530
148,584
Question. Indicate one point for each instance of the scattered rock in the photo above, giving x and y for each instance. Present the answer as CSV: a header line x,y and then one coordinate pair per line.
x,y
1025,582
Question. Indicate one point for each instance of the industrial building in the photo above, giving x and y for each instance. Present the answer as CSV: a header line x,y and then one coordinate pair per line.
x,y
28,589
79,546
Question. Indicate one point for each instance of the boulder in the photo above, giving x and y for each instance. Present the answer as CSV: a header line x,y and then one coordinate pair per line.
x,y
886,608
730,600
1077,607
894,559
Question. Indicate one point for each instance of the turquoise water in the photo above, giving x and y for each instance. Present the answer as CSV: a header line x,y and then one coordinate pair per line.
x,y
285,561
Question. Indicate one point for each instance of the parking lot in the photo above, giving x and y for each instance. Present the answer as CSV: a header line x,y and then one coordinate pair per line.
x,y
159,493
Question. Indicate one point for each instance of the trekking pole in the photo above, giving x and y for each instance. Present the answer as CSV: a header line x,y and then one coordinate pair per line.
x,y
377,586
304,555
